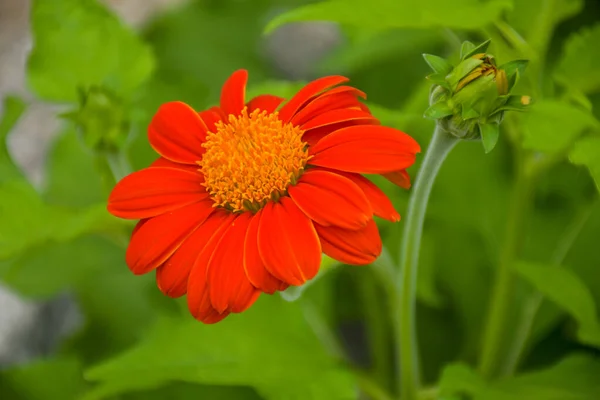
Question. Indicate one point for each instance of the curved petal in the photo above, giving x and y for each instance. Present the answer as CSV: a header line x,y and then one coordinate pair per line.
x,y
331,199
381,204
399,178
158,238
163,162
312,136
265,102
254,266
368,149
233,93
198,294
333,99
172,276
211,117
358,247
177,132
306,93
154,191
230,289
288,243
336,116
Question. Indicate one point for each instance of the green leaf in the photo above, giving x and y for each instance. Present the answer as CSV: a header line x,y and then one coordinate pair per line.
x,y
228,354
72,178
587,152
573,378
438,110
552,126
78,43
388,14
567,290
515,66
13,109
514,103
482,48
27,221
489,136
465,48
57,378
438,64
578,67
459,378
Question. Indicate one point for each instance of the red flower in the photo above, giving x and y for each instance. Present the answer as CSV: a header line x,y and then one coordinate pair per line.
x,y
246,196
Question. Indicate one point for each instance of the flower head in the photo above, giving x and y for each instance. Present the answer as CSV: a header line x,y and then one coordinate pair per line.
x,y
469,100
245,197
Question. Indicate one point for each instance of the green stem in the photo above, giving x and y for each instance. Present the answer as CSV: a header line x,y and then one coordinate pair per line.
x,y
502,292
112,166
536,299
405,321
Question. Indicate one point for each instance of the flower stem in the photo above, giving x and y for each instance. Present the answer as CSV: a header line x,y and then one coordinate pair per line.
x,y
407,351
502,293
112,166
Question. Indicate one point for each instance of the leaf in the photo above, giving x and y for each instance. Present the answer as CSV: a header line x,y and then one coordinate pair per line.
x,y
78,43
573,378
27,221
438,64
552,126
33,273
228,353
460,379
578,67
489,136
481,48
566,289
587,152
55,378
13,109
438,110
388,14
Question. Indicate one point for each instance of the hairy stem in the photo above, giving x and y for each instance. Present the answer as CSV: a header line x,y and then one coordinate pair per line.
x,y
405,321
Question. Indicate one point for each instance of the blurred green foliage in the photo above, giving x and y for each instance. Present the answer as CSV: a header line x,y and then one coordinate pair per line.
x,y
136,344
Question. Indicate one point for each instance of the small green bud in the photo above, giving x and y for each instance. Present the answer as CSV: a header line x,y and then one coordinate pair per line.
x,y
101,119
469,99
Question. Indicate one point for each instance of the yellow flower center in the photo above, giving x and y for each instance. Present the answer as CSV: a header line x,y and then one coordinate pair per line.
x,y
252,159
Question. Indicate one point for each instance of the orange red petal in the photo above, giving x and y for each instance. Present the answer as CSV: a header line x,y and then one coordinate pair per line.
x,y
354,247
399,178
198,293
334,99
370,149
177,132
163,162
211,117
288,242
331,199
172,276
158,238
233,93
306,93
254,266
154,191
230,289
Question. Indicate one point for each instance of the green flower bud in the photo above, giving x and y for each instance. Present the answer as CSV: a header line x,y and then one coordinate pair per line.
x,y
101,119
469,100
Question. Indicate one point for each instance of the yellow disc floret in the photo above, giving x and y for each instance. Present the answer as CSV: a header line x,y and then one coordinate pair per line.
x,y
252,159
